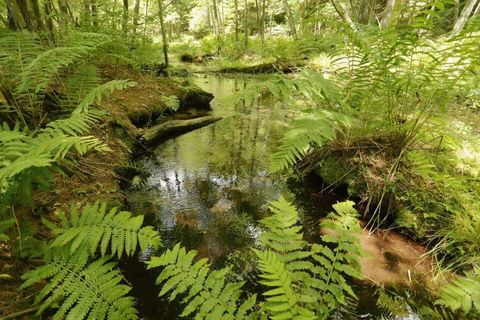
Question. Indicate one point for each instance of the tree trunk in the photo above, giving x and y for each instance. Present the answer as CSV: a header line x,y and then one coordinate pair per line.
x,y
24,14
462,19
343,14
93,5
145,22
17,22
216,23
87,14
125,18
245,22
391,13
262,23
236,20
365,11
166,129
48,8
164,35
291,22
62,6
136,14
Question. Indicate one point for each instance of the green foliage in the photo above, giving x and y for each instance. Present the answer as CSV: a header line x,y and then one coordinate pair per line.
x,y
26,158
97,94
206,293
86,290
307,281
4,226
96,227
311,131
172,102
462,293
302,281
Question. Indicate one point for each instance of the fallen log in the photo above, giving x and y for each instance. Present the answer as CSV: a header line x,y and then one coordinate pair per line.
x,y
154,134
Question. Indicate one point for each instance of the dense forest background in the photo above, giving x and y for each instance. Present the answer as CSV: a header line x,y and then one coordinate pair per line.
x,y
377,99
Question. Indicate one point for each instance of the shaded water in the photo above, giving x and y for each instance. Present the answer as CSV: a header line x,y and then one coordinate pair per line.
x,y
208,189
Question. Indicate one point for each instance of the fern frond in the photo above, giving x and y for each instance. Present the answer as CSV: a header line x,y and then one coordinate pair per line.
x,y
462,293
21,153
206,293
96,227
98,93
315,129
306,281
83,290
39,73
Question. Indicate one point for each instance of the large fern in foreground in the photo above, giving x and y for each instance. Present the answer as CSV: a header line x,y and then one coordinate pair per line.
x,y
462,293
86,290
307,281
206,293
302,281
96,227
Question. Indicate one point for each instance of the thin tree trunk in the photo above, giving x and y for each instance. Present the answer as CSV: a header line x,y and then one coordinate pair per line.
x,y
392,13
291,22
365,11
343,14
245,26
17,21
62,5
136,14
164,35
145,22
87,14
93,5
457,10
125,18
216,24
462,19
262,23
236,20
48,8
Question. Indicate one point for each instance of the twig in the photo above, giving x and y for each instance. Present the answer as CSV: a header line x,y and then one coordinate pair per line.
x,y
16,315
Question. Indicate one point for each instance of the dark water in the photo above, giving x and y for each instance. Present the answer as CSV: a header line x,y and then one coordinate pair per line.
x,y
208,189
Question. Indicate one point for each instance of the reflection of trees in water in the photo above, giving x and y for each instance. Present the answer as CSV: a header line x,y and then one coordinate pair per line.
x,y
212,181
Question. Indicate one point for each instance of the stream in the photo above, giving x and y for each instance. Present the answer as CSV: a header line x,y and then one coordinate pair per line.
x,y
209,188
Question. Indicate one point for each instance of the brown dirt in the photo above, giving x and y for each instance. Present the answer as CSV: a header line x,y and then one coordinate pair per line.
x,y
393,259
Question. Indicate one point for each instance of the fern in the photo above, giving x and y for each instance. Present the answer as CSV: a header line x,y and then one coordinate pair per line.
x,y
97,228
86,290
462,293
4,226
98,93
41,71
303,281
307,281
26,159
313,130
171,102
205,293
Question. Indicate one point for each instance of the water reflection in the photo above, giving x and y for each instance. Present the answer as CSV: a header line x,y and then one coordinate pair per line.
x,y
208,188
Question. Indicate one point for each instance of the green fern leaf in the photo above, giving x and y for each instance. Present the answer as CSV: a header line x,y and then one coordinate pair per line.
x,y
83,290
96,227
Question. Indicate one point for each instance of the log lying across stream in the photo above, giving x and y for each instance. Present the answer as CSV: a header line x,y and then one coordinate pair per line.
x,y
168,128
